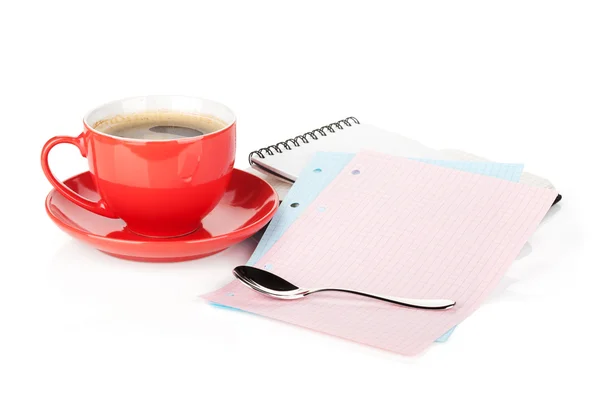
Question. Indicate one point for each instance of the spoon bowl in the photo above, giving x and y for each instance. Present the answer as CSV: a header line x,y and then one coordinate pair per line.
x,y
267,283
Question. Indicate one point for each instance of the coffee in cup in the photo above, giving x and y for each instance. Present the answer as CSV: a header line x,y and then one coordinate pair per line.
x,y
160,125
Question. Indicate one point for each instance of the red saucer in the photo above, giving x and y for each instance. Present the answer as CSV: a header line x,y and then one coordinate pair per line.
x,y
247,206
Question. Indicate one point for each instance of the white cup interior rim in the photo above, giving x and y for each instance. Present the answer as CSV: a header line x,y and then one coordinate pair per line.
x,y
178,103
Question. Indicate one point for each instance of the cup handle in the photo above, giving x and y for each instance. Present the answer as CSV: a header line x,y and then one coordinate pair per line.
x,y
98,207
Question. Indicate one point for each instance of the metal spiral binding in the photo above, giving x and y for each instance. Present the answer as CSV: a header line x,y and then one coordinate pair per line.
x,y
304,138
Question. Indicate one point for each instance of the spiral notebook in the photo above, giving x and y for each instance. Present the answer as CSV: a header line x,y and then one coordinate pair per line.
x,y
436,232
283,161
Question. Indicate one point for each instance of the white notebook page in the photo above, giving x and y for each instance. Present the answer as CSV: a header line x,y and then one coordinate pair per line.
x,y
289,163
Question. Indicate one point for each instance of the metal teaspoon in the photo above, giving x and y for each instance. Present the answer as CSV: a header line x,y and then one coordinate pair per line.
x,y
272,285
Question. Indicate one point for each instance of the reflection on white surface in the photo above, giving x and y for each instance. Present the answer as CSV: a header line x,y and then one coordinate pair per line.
x,y
105,280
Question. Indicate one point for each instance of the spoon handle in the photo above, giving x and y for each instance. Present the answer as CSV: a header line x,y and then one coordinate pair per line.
x,y
428,304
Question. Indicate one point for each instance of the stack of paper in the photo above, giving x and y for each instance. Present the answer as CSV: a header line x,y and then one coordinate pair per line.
x,y
407,227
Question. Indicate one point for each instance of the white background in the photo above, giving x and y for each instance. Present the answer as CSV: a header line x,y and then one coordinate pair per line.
x,y
512,81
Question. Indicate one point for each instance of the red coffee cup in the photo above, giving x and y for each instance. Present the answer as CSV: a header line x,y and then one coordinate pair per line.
x,y
160,188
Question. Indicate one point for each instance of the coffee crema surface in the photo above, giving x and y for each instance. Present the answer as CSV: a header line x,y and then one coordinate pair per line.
x,y
159,125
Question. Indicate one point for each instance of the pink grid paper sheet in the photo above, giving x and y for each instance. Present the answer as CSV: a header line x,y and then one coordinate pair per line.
x,y
397,227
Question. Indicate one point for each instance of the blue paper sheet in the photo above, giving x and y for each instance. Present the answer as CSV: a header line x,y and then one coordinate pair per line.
x,y
325,166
